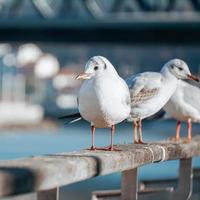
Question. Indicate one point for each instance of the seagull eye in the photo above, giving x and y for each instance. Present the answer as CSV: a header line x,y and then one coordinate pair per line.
x,y
172,66
180,68
96,68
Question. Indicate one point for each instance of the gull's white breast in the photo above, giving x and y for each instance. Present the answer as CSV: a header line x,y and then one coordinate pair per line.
x,y
185,102
104,101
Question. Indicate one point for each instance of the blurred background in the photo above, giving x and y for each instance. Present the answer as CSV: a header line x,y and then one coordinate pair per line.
x,y
45,44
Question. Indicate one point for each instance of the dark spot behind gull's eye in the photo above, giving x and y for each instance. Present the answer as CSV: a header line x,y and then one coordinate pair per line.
x,y
96,68
105,66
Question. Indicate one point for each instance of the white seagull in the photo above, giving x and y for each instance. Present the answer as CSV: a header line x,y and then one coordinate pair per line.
x,y
150,91
104,98
184,105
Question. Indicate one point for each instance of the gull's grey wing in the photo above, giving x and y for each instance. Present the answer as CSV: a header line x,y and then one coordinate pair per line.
x,y
144,87
143,96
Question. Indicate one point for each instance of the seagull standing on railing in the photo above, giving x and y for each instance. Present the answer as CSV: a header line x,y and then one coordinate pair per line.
x,y
184,105
104,98
150,91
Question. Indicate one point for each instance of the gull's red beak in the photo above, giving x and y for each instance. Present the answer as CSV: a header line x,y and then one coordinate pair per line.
x,y
193,77
84,76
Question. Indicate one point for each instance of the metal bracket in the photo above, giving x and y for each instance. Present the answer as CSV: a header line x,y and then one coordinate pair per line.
x,y
129,186
185,183
52,194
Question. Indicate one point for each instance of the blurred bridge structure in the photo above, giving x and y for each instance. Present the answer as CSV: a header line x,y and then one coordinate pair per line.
x,y
136,21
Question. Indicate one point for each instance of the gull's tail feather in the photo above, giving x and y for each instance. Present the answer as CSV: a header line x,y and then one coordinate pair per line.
x,y
75,120
76,115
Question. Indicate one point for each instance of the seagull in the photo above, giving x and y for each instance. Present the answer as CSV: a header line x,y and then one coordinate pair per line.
x,y
104,98
150,91
184,105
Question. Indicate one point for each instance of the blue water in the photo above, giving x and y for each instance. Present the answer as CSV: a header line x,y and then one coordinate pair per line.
x,y
18,144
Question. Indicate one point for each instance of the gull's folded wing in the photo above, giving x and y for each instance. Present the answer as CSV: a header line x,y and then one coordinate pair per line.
x,y
144,87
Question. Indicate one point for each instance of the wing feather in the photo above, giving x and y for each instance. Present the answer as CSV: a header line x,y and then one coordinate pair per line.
x,y
144,95
144,87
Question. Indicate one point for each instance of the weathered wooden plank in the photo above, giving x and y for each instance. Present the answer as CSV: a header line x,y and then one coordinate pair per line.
x,y
50,171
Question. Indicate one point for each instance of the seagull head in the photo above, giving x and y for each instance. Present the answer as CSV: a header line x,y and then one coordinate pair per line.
x,y
180,69
96,66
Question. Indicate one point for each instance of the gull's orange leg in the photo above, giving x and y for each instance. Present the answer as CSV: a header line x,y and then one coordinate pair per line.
x,y
189,129
135,132
112,135
111,147
92,148
140,133
189,137
178,129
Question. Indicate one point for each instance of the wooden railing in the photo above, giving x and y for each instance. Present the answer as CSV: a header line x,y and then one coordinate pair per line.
x,y
45,174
